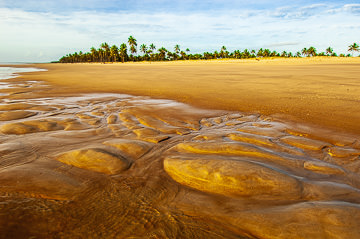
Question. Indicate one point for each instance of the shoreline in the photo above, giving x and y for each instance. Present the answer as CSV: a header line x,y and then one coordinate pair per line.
x,y
319,91
257,60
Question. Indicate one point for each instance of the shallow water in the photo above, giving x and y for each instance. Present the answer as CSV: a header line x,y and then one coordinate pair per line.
x,y
122,166
12,72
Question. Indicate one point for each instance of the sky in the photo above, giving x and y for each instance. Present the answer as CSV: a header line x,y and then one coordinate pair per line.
x,y
45,30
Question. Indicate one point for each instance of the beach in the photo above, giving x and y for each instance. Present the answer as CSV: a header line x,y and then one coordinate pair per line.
x,y
322,91
260,148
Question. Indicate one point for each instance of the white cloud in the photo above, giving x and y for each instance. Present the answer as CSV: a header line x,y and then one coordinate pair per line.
x,y
353,8
276,44
301,12
38,36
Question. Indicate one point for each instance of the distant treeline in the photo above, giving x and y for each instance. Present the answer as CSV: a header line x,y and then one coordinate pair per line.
x,y
114,53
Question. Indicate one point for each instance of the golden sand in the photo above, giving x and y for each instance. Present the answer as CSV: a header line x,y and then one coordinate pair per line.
x,y
323,90
263,149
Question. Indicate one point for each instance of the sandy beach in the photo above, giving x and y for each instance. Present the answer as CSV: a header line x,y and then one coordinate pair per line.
x,y
321,91
266,148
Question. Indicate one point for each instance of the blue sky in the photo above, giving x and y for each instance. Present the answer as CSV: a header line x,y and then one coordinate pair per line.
x,y
44,30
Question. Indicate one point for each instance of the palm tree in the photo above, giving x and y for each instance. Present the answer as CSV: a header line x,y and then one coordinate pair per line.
x,y
183,55
209,55
222,51
329,51
260,52
143,48
76,57
133,50
106,49
187,52
93,54
114,52
123,52
101,54
162,51
177,50
237,54
81,56
246,53
266,53
152,49
311,51
304,51
133,44
171,55
353,47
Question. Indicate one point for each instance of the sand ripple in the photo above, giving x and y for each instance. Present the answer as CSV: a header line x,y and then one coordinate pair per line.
x,y
120,166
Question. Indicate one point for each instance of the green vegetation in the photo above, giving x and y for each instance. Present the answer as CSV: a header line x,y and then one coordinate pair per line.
x,y
353,47
114,54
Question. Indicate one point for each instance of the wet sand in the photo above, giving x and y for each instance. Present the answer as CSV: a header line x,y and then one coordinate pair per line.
x,y
80,160
320,91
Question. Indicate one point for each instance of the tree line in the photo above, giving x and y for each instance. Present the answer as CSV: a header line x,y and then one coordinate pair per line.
x,y
124,53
